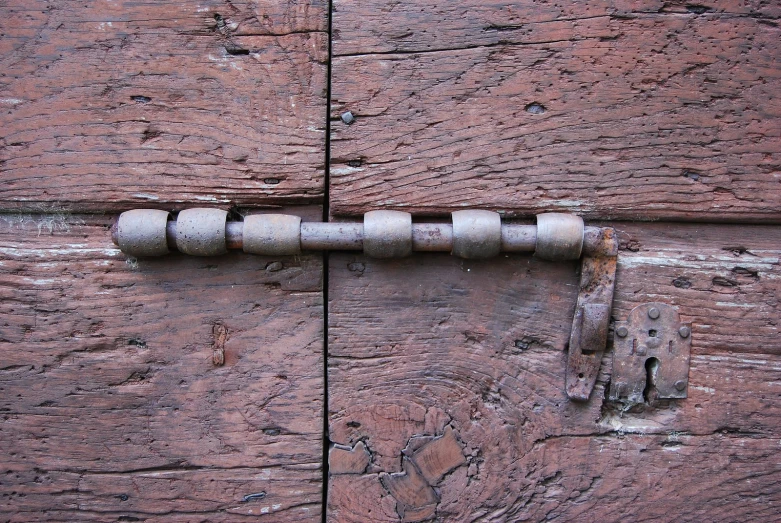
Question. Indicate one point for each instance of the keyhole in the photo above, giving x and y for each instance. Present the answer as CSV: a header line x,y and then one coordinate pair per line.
x,y
651,367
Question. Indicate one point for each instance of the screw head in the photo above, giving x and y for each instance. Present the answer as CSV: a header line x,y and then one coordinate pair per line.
x,y
622,332
684,331
347,117
653,313
680,385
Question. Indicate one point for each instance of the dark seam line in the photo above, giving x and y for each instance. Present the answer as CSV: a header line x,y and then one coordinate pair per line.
x,y
326,217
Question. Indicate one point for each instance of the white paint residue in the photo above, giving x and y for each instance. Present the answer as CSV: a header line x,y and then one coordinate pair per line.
x,y
736,305
265,510
346,170
276,507
48,253
146,196
569,203
210,198
709,390
10,101
632,426
264,474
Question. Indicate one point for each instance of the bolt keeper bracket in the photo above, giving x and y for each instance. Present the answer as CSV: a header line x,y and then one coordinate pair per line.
x,y
472,234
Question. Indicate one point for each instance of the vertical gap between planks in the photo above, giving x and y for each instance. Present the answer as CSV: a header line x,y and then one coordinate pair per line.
x,y
326,268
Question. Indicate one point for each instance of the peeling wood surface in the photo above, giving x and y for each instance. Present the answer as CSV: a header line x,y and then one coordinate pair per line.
x,y
431,345
111,405
616,110
107,106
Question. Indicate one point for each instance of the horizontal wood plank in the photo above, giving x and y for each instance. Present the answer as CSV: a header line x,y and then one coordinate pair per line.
x,y
110,400
114,105
432,343
620,110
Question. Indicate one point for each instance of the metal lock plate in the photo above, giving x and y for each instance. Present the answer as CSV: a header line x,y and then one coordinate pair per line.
x,y
652,343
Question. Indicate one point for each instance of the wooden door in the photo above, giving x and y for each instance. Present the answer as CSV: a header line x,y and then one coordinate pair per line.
x,y
428,388
112,406
447,376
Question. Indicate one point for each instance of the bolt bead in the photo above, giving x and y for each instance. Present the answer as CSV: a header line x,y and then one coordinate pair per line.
x,y
387,234
201,232
559,236
476,234
142,232
272,234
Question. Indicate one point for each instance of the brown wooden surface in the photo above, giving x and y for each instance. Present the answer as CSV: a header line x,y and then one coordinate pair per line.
x,y
431,344
111,105
111,407
652,110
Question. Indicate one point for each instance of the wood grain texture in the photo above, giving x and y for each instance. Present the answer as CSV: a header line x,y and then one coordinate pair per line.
x,y
431,344
120,104
111,406
621,110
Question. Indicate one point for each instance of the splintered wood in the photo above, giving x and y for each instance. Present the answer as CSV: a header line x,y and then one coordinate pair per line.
x,y
122,104
472,354
611,110
112,406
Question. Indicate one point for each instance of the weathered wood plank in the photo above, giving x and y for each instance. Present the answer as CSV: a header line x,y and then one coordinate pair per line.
x,y
113,105
620,110
419,26
718,477
111,404
421,346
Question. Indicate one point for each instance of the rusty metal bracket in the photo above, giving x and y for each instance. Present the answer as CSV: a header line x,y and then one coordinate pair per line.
x,y
651,344
592,316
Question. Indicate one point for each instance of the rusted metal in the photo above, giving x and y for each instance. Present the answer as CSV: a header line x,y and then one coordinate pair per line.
x,y
387,234
272,234
657,346
588,337
201,232
476,234
142,232
594,244
559,236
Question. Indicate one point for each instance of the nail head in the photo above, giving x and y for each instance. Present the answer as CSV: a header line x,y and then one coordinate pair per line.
x,y
622,332
347,117
680,385
684,332
653,313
